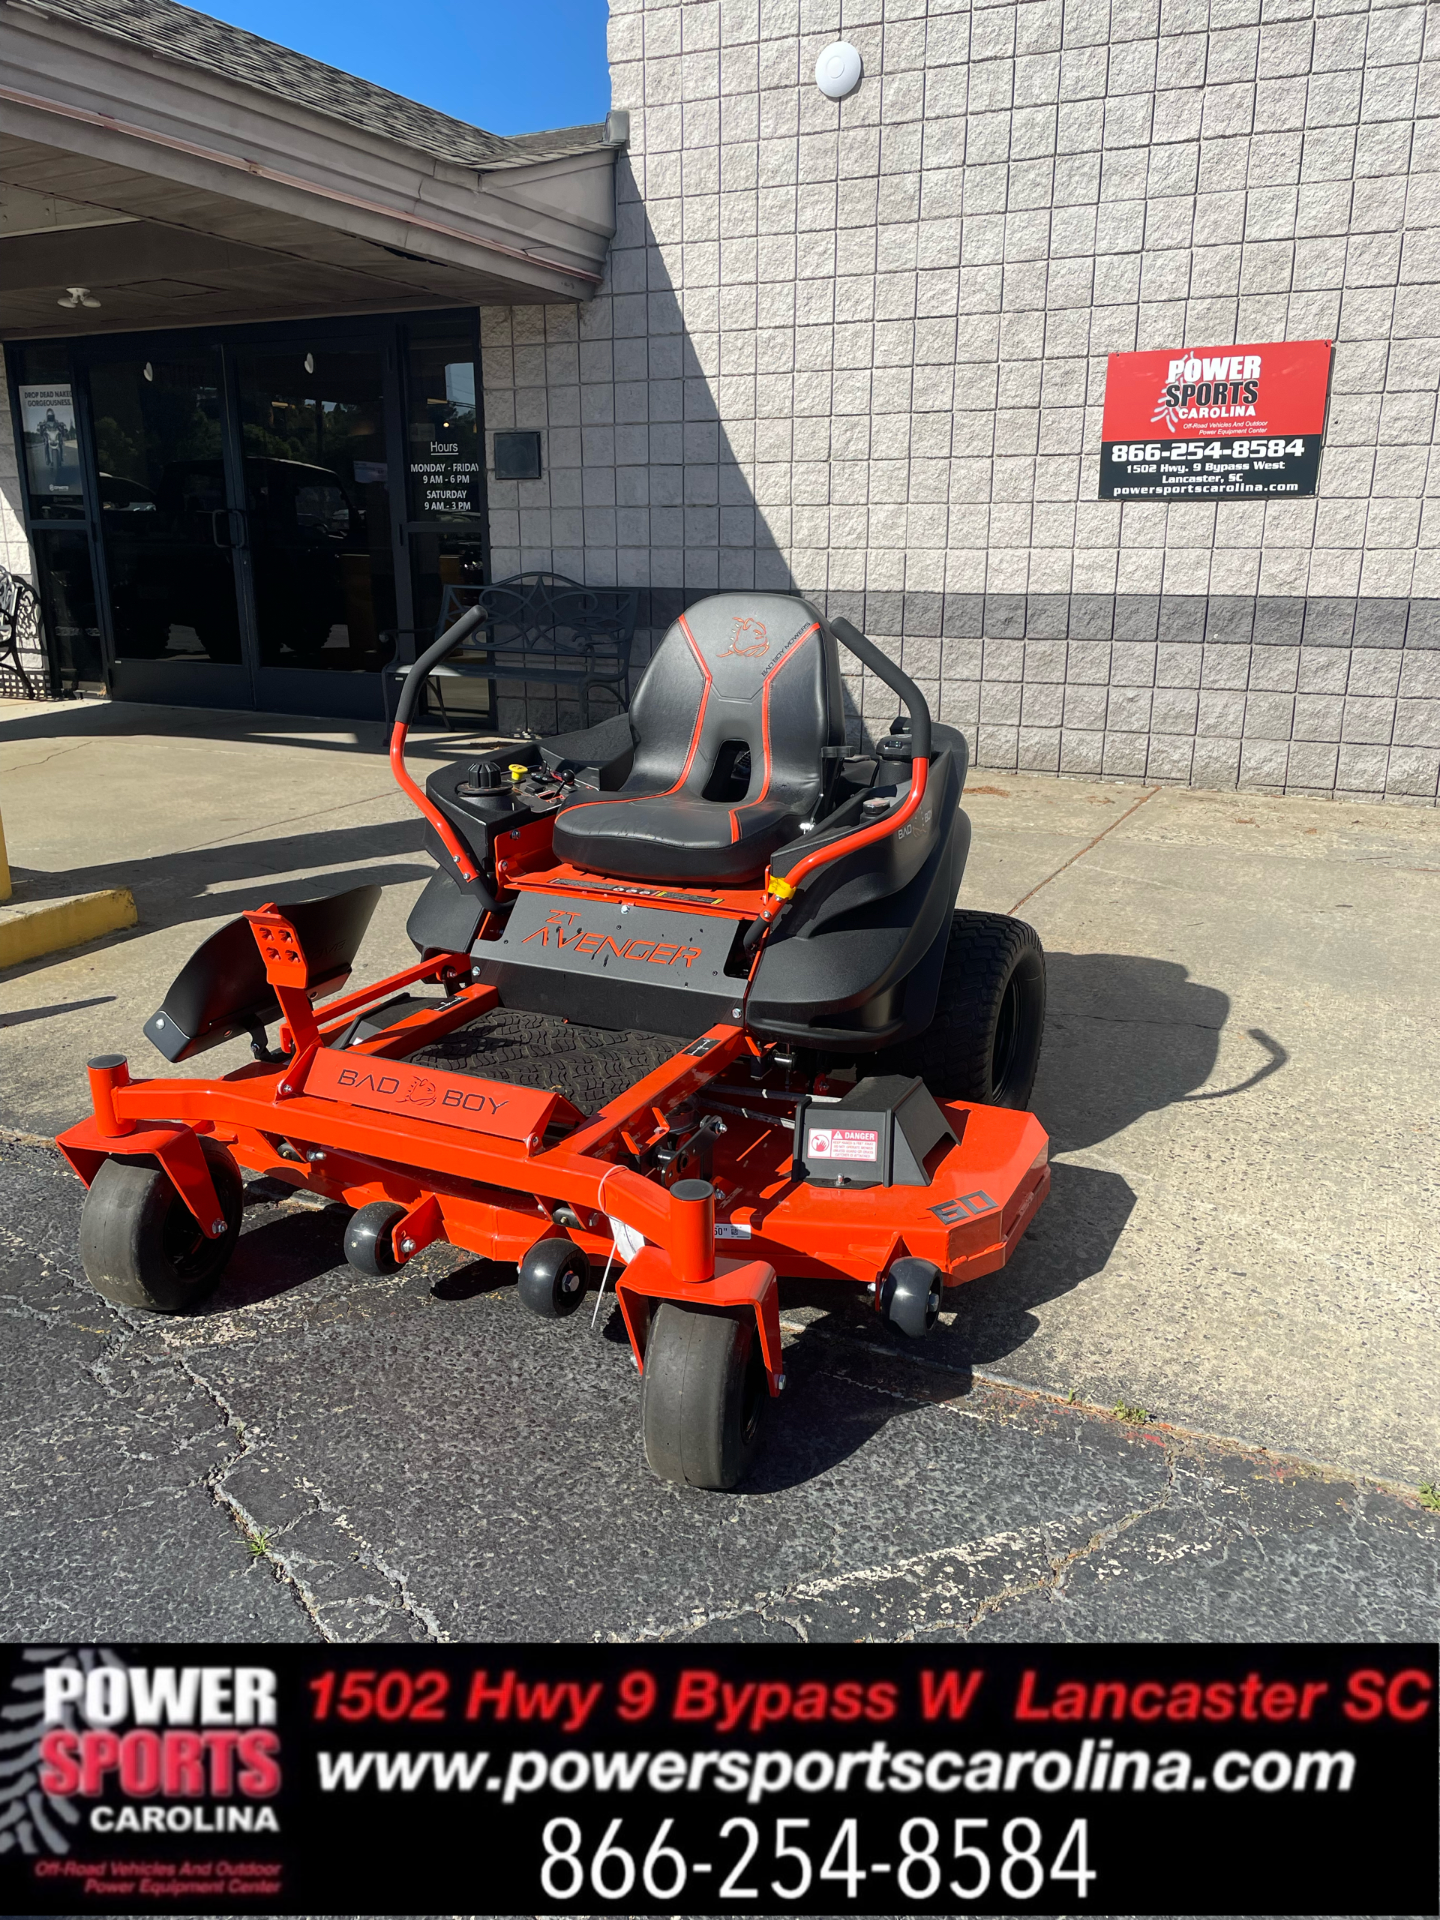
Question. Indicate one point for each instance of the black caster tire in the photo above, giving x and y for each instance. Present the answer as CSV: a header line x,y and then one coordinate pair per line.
x,y
984,1042
910,1297
553,1277
140,1244
704,1396
369,1239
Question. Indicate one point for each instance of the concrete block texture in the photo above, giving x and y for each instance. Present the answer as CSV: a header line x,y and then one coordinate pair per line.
x,y
857,350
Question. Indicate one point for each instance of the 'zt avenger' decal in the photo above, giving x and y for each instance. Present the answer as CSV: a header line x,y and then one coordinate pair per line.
x,y
562,929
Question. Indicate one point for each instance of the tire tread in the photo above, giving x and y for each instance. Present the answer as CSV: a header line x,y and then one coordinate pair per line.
x,y
952,1056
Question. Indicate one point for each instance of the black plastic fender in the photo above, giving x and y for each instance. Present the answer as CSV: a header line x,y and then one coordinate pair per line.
x,y
879,962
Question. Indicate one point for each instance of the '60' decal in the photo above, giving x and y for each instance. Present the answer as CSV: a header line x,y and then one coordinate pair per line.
x,y
968,1207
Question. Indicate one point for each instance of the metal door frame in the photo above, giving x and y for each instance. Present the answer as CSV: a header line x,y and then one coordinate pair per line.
x,y
216,684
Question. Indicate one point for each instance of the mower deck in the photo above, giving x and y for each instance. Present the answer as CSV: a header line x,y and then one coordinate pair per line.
x,y
489,1163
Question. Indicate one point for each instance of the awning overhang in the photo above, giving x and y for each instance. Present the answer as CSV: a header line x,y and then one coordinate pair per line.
x,y
216,201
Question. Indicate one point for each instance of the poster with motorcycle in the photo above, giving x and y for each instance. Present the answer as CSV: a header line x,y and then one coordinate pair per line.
x,y
52,451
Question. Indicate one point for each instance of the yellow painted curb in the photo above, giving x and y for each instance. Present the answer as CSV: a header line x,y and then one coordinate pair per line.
x,y
49,926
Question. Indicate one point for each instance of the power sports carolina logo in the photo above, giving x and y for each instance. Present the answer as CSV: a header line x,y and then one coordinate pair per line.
x,y
155,1750
1209,387
33,1820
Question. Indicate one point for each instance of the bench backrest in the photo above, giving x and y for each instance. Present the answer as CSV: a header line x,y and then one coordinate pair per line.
x,y
545,613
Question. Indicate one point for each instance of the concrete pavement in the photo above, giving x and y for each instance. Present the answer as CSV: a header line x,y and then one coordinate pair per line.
x,y
1238,1079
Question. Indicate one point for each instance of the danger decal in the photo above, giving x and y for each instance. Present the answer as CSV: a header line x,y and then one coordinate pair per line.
x,y
1215,422
843,1143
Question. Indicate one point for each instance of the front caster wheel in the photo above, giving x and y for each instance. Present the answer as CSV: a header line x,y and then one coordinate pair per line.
x,y
910,1297
370,1238
553,1277
704,1396
140,1244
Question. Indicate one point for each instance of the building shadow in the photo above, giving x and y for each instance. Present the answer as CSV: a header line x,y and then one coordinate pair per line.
x,y
192,884
80,720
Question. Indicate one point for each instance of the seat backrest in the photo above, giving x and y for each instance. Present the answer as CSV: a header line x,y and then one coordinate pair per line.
x,y
743,684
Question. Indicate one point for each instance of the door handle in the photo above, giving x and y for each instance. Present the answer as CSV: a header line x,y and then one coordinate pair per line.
x,y
234,518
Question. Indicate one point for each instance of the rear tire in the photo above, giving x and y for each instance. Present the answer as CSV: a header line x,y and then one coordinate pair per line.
x,y
704,1396
984,1043
140,1244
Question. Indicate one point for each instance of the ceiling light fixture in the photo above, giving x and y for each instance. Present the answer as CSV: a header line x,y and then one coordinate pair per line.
x,y
78,297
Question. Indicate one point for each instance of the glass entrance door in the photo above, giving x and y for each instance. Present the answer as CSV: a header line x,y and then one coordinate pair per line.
x,y
317,503
169,527
275,513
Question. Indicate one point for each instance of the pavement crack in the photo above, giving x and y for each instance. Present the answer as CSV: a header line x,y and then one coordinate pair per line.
x,y
1053,1580
1135,1020
408,1604
1081,852
24,766
215,1480
288,819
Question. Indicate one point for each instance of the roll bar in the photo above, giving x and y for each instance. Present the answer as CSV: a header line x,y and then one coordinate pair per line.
x,y
404,712
898,682
778,890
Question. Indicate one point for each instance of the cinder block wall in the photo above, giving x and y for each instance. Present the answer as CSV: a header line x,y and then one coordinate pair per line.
x,y
858,349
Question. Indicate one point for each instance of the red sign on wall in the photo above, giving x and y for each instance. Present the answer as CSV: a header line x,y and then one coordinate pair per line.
x,y
1214,422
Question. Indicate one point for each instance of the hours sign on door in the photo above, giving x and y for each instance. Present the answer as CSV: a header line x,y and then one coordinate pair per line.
x,y
1217,422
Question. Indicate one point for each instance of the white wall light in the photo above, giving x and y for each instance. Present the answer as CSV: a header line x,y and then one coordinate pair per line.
x,y
838,70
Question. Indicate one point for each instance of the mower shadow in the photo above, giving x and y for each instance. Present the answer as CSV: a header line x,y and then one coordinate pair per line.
x,y
1126,1036
288,1249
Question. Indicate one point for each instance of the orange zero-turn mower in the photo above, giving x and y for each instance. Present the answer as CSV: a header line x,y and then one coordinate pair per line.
x,y
693,1007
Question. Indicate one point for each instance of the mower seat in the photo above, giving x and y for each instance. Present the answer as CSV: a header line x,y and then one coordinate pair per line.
x,y
731,723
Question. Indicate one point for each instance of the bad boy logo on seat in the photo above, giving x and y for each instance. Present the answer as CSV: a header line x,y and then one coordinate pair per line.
x,y
749,640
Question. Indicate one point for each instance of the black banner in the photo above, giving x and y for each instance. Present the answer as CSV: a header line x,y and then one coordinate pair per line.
x,y
699,1779
1237,467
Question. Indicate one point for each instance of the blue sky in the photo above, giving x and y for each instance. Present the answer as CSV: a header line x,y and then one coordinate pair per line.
x,y
513,66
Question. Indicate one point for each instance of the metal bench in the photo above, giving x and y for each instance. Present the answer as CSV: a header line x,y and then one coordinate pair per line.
x,y
19,625
540,628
